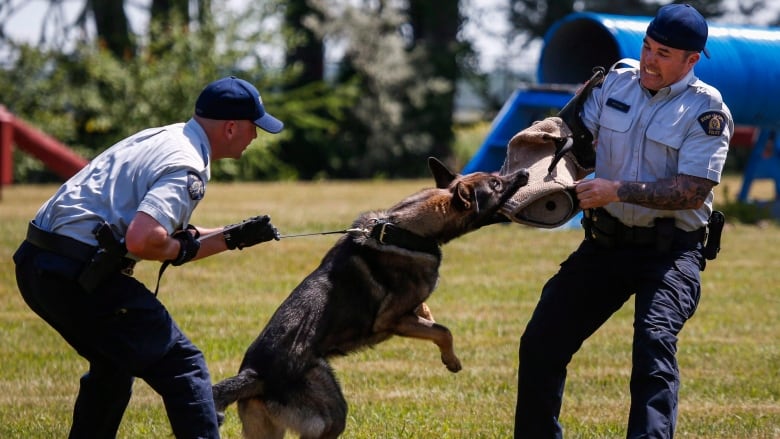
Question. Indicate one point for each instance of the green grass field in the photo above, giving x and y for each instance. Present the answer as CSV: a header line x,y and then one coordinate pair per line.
x,y
490,280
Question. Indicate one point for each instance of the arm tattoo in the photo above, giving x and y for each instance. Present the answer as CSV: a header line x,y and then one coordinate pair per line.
x,y
675,193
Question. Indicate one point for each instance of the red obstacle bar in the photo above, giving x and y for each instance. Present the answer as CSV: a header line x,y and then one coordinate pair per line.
x,y
60,159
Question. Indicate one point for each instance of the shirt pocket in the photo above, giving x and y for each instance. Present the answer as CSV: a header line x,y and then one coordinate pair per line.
x,y
613,132
663,147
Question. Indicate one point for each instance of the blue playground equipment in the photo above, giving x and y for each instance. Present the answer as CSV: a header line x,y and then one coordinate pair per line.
x,y
745,67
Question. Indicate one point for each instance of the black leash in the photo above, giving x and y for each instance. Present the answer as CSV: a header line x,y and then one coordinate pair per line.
x,y
383,232
332,232
387,234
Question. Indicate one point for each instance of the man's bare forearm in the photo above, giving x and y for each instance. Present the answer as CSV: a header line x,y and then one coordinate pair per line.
x,y
676,193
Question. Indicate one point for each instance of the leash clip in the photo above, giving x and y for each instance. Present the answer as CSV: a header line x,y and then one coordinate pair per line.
x,y
381,237
362,231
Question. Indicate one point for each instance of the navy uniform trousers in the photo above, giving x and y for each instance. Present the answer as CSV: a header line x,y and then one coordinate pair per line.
x,y
590,286
124,332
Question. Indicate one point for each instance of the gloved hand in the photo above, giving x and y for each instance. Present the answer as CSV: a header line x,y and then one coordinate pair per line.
x,y
189,245
250,232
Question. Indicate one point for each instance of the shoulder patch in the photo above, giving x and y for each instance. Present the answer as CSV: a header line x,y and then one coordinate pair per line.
x,y
712,123
195,186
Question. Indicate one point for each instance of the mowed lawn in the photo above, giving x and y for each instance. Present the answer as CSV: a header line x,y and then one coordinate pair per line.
x,y
490,280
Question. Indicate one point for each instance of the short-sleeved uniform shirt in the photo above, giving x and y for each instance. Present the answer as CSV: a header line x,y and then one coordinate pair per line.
x,y
159,171
684,128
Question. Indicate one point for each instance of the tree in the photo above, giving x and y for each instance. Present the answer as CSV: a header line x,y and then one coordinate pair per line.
x,y
112,27
306,150
435,27
89,98
400,61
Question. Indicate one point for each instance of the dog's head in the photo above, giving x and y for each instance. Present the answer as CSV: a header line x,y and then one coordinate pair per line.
x,y
459,204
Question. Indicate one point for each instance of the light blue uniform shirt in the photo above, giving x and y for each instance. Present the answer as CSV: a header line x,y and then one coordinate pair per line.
x,y
159,171
684,128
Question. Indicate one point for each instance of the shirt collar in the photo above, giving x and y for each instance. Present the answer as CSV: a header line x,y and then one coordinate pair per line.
x,y
678,87
194,131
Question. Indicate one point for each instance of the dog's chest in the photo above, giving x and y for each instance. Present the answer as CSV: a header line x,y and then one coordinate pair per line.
x,y
387,271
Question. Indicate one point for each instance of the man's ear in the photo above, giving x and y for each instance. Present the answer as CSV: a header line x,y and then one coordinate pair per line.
x,y
229,128
441,173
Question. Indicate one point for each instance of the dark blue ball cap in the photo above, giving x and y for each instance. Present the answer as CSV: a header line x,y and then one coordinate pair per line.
x,y
679,26
232,98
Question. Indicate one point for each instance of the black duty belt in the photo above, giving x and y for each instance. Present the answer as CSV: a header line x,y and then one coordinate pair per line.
x,y
609,232
67,247
59,244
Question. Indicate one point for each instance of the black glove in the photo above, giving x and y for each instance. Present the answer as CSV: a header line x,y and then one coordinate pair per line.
x,y
250,232
189,245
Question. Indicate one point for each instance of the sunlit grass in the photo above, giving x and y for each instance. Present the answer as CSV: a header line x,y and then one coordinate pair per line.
x,y
490,281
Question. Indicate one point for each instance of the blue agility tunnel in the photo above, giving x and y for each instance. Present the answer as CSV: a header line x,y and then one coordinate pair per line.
x,y
745,67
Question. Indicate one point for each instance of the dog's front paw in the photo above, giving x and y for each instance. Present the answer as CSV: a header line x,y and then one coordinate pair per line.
x,y
452,362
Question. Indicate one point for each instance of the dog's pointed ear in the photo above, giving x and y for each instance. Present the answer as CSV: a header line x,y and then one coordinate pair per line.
x,y
441,173
463,196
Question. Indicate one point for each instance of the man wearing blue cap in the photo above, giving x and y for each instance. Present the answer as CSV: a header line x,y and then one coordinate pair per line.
x,y
661,138
133,202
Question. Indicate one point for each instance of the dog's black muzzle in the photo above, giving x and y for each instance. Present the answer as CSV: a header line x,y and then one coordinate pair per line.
x,y
511,184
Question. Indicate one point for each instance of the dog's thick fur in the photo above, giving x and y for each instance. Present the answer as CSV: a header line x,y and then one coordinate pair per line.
x,y
363,292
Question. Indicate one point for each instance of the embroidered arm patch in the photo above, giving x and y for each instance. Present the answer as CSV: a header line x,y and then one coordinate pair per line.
x,y
712,122
195,186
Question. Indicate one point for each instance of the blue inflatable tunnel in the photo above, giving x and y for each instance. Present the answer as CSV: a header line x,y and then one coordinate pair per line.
x,y
745,63
745,67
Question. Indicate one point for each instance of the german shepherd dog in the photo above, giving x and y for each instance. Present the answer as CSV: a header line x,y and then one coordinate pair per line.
x,y
370,286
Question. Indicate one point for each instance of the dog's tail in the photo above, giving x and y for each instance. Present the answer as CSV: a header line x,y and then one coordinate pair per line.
x,y
246,384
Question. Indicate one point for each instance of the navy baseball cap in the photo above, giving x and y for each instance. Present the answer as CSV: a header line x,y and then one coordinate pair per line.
x,y
232,98
679,26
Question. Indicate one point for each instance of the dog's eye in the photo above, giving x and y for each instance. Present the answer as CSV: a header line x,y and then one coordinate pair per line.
x,y
495,184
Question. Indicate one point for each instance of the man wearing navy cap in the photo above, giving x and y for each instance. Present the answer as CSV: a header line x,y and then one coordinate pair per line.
x,y
661,138
133,202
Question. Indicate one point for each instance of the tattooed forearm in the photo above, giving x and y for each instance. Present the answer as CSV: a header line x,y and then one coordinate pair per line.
x,y
679,192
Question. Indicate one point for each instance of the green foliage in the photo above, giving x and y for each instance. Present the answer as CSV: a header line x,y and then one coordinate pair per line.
x,y
468,140
402,108
88,99
393,109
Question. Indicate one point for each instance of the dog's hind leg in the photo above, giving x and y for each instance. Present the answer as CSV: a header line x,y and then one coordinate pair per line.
x,y
256,422
414,326
314,407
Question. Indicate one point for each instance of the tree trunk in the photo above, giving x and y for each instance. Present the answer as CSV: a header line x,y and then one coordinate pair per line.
x,y
435,26
308,54
112,27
